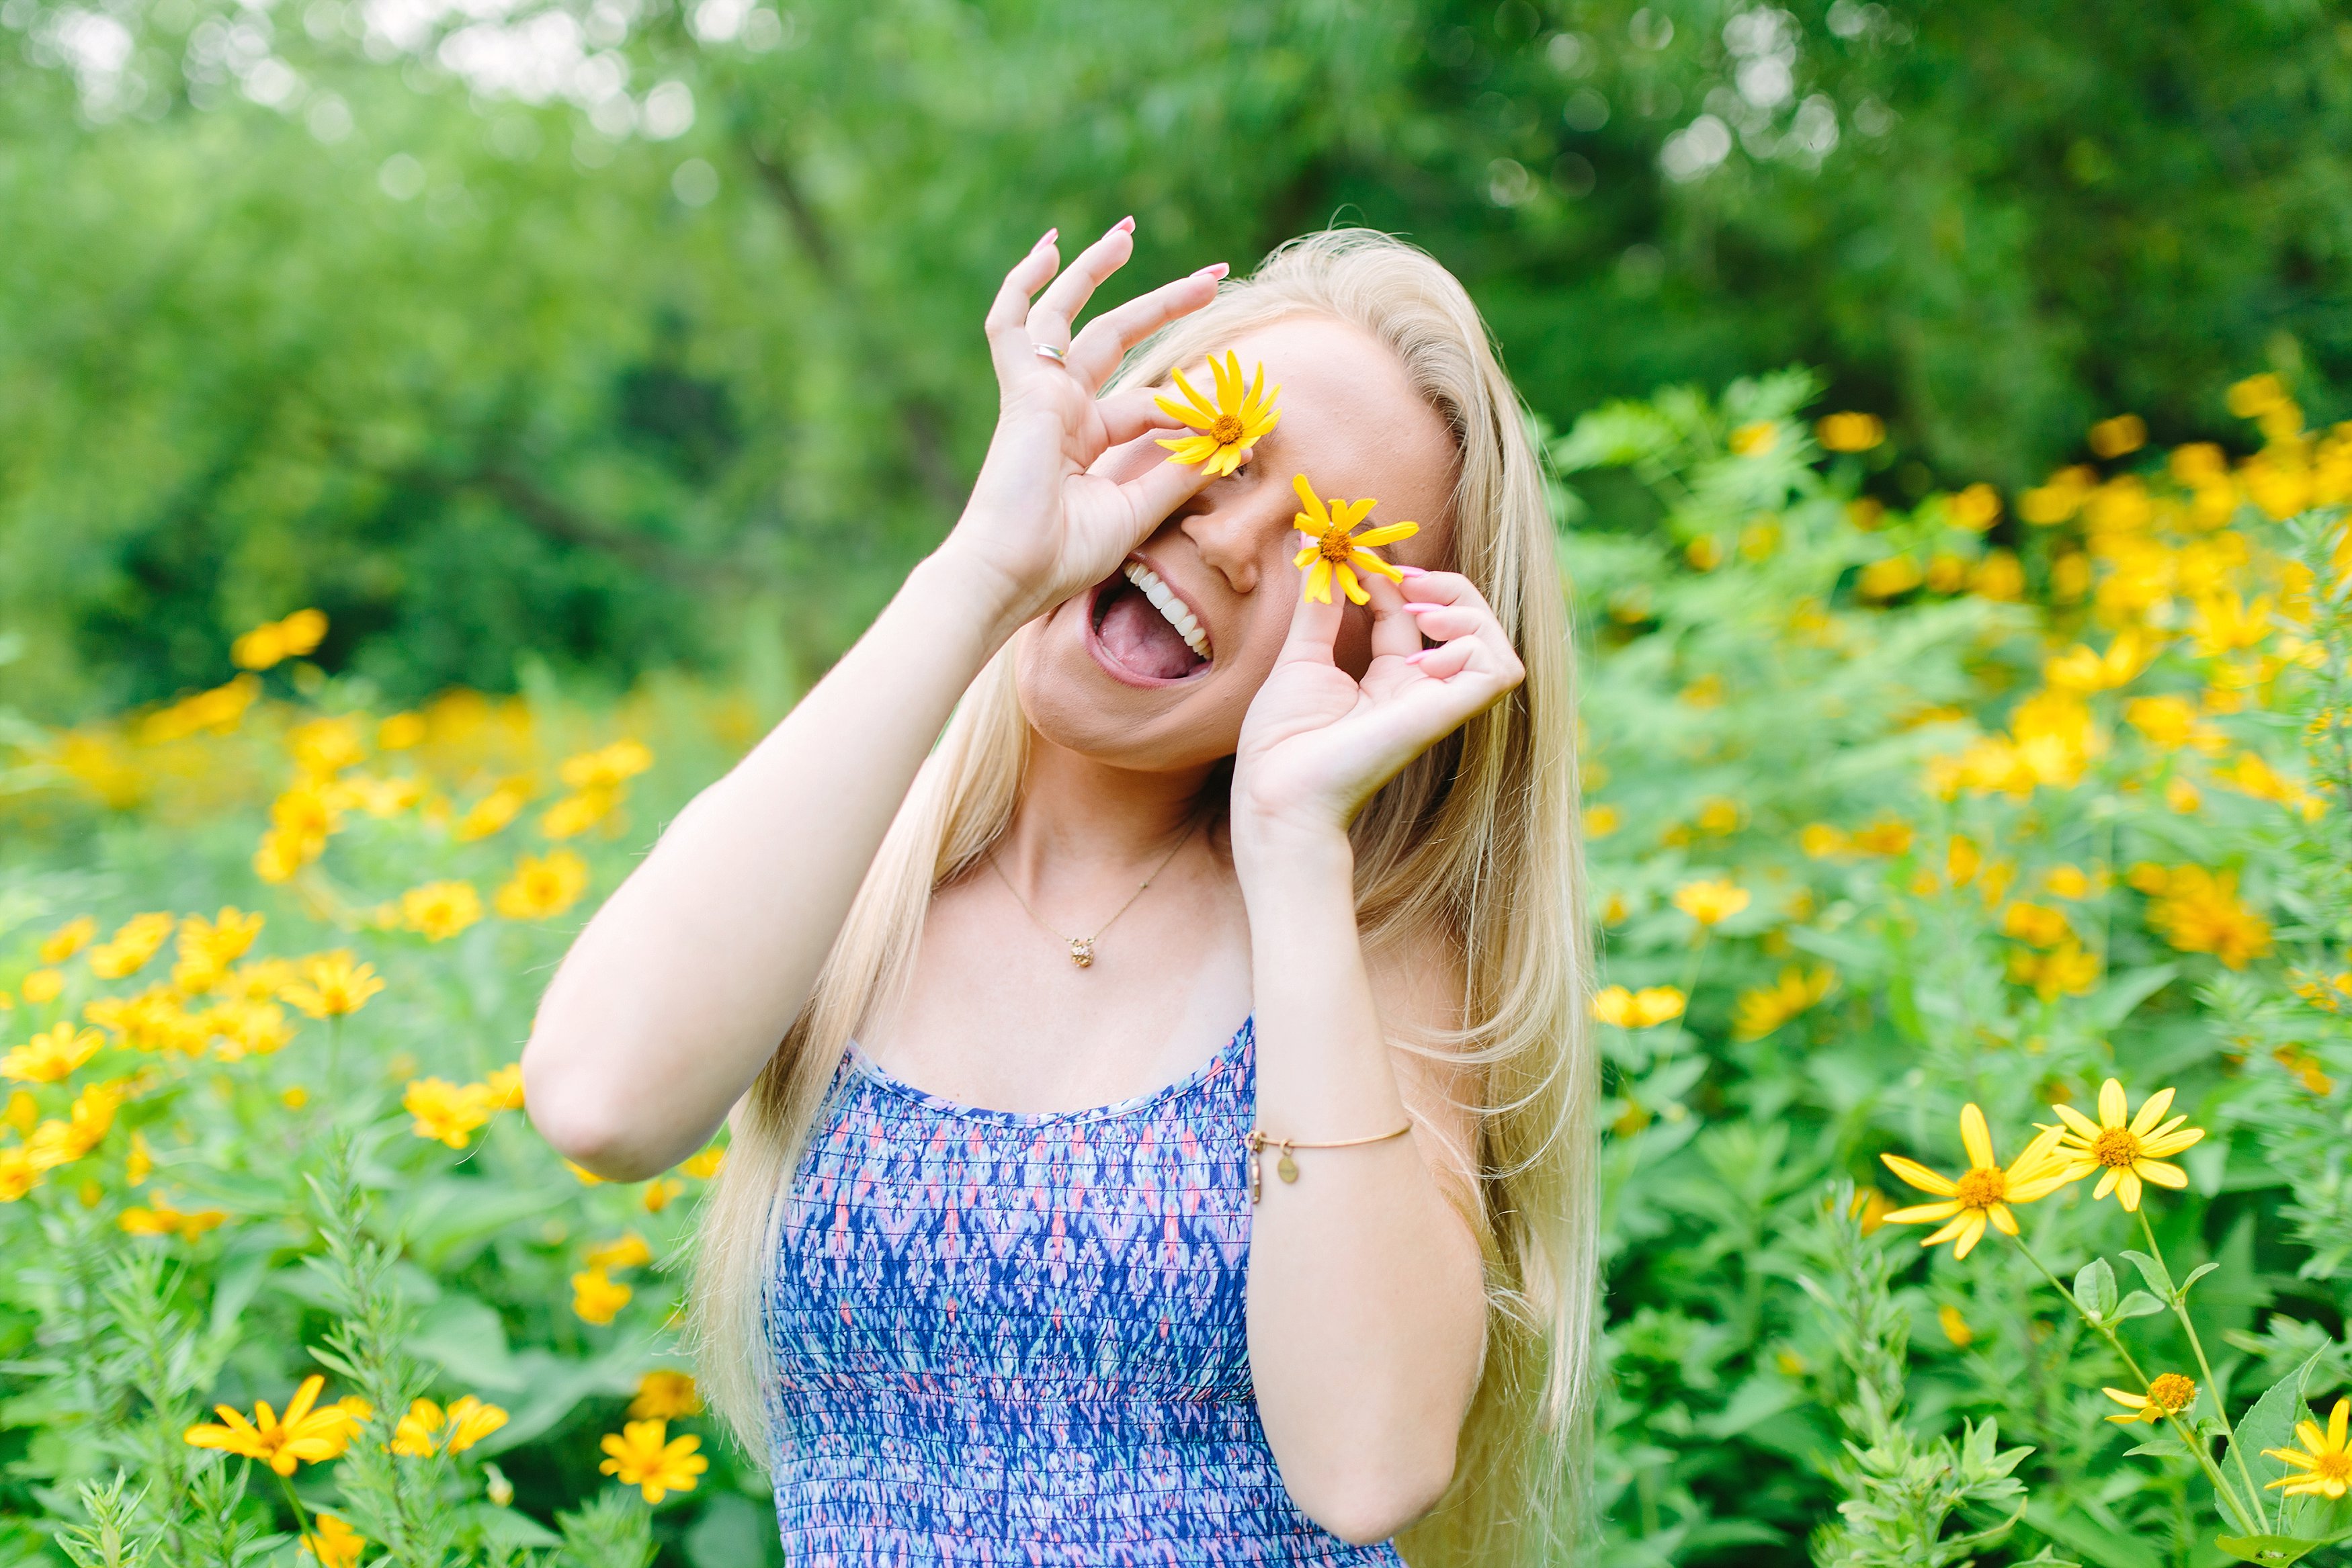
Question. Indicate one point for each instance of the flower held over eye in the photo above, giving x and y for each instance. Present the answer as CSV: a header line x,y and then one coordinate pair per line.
x,y
1339,552
2129,1152
1984,1191
1239,417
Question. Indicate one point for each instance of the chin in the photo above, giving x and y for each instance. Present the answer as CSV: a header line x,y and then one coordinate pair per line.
x,y
1106,674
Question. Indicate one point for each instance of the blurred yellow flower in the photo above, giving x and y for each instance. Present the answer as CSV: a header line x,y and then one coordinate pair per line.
x,y
491,812
2256,395
332,984
2128,1152
2169,1393
162,1219
1759,1012
1711,903
1886,578
1984,1192
1850,432
2325,1465
402,731
50,1056
1976,508
303,1436
542,886
2224,622
1755,439
1887,836
426,1428
2069,969
705,1165
444,1112
334,1545
58,1142
503,1088
1823,841
664,1395
2083,670
575,814
1336,550
607,767
67,939
2200,911
1646,1008
128,950
2116,437
208,947
640,1458
658,1193
1600,820
273,641
596,1298
1955,1327
325,747
2035,925
1999,576
629,1252
439,910
1242,414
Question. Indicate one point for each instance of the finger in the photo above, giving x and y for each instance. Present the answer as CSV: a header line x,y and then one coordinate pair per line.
x,y
1445,623
1160,490
1057,311
1008,314
1127,415
1446,661
1314,627
1107,339
1450,588
1394,633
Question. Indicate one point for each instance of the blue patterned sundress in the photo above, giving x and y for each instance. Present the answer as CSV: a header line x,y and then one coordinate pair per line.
x,y
1015,1340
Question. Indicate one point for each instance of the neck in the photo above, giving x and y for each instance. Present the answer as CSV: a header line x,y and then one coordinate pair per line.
x,y
1079,818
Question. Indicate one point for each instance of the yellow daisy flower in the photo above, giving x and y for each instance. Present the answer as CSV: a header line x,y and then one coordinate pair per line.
x,y
2325,1465
664,1395
2129,1152
2168,1394
303,1436
1984,1191
1337,550
1241,414
336,1544
640,1458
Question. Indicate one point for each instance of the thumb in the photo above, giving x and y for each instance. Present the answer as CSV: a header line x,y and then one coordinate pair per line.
x,y
1314,622
1161,489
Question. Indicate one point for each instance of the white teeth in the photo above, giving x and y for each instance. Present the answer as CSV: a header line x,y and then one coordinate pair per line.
x,y
1171,609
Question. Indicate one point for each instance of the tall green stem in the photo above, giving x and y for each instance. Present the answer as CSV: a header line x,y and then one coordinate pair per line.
x,y
2249,1523
2180,1310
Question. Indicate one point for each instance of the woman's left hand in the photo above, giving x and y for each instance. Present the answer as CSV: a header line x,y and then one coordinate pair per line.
x,y
1317,742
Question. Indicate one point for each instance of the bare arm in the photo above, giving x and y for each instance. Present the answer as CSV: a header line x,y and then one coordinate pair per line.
x,y
675,995
1366,1306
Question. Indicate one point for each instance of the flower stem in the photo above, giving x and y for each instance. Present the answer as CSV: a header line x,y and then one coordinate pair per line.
x,y
2221,1488
2180,1310
286,1484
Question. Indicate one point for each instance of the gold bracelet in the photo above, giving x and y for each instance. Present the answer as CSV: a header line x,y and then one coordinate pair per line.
x,y
1286,1167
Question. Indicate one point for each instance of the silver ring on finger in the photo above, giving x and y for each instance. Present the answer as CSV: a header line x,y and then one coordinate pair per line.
x,y
1047,350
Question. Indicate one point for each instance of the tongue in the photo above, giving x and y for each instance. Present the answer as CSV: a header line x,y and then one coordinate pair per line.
x,y
1139,637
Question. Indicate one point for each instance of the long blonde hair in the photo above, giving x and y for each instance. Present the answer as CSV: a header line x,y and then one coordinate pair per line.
x,y
1475,842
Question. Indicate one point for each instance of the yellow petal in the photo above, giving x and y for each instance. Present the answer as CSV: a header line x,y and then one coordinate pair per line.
x,y
2127,1189
1313,503
1303,557
1976,1138
1348,585
1190,416
2003,1220
1346,515
2106,1184
2082,1126
2161,1174
1958,1227
2335,1422
1189,448
2151,1112
1318,581
1264,420
2111,1104
2125,1399
1919,1176
1229,379
2173,1142
1366,561
1208,410
1222,461
1974,1221
1387,533
1920,1214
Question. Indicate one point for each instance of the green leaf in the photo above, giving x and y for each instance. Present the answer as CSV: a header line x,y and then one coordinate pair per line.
x,y
2197,1273
2271,1422
2138,1304
2094,1288
2274,1549
2152,1270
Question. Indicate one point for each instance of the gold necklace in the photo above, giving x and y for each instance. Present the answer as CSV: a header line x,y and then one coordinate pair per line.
x,y
1082,948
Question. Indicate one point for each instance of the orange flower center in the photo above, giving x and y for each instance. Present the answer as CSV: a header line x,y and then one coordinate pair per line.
x,y
1226,431
1981,1187
2171,1392
1335,546
2115,1146
2335,1466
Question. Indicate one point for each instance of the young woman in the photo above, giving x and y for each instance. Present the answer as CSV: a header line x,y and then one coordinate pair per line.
x,y
1179,1147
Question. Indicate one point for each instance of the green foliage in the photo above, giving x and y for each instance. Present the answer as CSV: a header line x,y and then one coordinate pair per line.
x,y
446,323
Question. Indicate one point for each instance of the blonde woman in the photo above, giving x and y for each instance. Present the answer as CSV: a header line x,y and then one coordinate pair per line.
x,y
1178,1149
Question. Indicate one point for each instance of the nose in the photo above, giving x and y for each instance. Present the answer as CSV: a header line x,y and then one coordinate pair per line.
x,y
1234,532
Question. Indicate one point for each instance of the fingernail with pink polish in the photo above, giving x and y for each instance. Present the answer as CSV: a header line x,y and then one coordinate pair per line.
x,y
1127,223
1418,609
1411,571
1214,269
1417,658
1048,236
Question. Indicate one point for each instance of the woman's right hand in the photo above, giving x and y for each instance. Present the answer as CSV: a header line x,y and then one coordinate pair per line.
x,y
1043,523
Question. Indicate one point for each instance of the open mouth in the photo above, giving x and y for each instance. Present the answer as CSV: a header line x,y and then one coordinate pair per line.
x,y
1142,631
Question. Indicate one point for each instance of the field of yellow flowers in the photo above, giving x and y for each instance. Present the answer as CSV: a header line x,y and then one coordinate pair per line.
x,y
1977,873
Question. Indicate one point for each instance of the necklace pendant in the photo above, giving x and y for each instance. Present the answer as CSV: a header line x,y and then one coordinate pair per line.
x,y
1082,952
1286,1167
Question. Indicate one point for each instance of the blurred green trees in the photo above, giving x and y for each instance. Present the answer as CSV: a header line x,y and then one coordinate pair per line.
x,y
626,334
